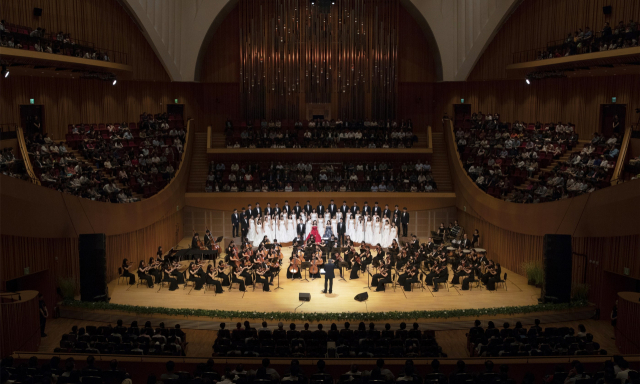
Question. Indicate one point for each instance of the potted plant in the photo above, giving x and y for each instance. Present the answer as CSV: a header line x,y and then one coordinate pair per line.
x,y
534,272
580,292
67,288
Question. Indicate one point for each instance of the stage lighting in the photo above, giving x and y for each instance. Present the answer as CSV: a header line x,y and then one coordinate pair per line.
x,y
114,82
527,80
5,72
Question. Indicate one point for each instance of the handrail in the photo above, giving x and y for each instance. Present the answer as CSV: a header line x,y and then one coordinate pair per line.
x,y
25,157
209,137
615,178
429,138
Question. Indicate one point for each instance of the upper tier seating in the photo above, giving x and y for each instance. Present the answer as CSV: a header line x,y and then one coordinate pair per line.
x,y
320,134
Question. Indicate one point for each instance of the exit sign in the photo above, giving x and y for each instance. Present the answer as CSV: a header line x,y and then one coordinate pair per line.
x,y
613,99
176,100
32,101
461,101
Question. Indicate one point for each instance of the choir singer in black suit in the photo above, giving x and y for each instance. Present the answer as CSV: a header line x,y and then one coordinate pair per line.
x,y
329,275
235,223
405,221
341,229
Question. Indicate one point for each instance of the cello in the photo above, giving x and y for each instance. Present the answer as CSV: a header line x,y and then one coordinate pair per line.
x,y
294,267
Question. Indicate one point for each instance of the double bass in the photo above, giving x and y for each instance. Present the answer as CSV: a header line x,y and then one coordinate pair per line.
x,y
294,267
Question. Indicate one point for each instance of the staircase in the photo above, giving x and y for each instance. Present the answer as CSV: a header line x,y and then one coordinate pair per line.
x,y
423,140
218,138
199,164
440,163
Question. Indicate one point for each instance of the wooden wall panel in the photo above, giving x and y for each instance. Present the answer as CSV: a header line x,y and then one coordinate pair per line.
x,y
415,101
20,324
92,101
415,61
535,23
221,64
102,22
575,100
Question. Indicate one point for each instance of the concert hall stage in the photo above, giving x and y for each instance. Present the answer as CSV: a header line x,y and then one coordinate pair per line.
x,y
517,293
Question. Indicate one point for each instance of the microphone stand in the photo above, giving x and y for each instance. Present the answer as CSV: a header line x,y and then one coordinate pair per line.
x,y
368,275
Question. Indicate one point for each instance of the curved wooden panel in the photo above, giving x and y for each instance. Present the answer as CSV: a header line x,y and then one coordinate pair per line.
x,y
607,212
20,322
32,211
627,335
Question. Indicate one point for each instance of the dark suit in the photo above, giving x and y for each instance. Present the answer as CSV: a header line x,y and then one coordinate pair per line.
x,y
248,213
397,212
297,209
332,208
244,226
377,210
386,213
320,210
329,275
235,223
257,212
277,211
308,209
344,209
300,229
355,209
465,244
268,211
287,209
341,231
404,219
366,210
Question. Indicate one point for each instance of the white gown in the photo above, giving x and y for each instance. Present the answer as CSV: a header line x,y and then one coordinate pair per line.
x,y
251,235
386,240
321,226
334,227
368,233
358,236
351,229
282,232
393,234
291,231
258,237
327,217
377,236
308,228
268,231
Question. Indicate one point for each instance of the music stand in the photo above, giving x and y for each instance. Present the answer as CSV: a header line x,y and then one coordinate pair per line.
x,y
305,265
278,287
368,275
219,239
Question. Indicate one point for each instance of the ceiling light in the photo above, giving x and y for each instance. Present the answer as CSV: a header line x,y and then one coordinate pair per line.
x,y
114,82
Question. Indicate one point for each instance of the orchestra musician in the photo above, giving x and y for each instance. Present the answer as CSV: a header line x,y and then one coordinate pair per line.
x,y
143,275
195,275
211,278
124,271
155,270
383,277
236,278
412,277
262,277
225,278
356,265
169,278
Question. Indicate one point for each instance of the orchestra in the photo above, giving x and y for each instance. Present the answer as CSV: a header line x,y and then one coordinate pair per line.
x,y
402,264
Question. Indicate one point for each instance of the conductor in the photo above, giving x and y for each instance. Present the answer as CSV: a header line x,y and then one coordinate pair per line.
x,y
329,268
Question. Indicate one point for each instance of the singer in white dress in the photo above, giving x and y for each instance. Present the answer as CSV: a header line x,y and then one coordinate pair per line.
x,y
358,236
386,230
251,235
334,226
351,224
308,226
282,230
321,226
368,233
393,234
377,229
257,239
268,228
291,229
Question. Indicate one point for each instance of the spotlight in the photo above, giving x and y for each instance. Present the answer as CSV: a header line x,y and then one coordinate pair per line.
x,y
528,82
114,82
5,73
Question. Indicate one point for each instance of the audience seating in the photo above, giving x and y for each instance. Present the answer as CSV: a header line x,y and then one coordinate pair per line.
x,y
10,166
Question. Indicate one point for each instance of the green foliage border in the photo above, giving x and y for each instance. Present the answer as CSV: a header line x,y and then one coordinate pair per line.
x,y
326,316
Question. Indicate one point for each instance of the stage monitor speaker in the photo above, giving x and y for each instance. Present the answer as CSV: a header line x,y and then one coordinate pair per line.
x,y
93,267
302,296
607,10
37,11
558,257
361,296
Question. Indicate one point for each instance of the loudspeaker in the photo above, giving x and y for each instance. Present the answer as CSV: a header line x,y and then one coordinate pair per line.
x,y
558,257
93,267
607,10
361,296
304,296
37,11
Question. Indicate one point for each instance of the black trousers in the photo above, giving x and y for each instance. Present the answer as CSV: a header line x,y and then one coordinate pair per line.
x,y
381,282
131,276
405,227
43,323
330,281
245,230
234,230
264,281
147,277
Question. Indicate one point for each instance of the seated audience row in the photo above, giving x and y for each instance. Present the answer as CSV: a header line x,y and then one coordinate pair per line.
x,y
10,166
535,341
321,134
321,177
133,340
361,342
587,41
39,40
111,162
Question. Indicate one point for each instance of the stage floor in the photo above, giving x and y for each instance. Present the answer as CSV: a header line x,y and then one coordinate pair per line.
x,y
341,300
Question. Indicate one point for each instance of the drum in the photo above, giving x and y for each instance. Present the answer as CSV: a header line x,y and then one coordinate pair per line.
x,y
480,250
466,251
451,249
